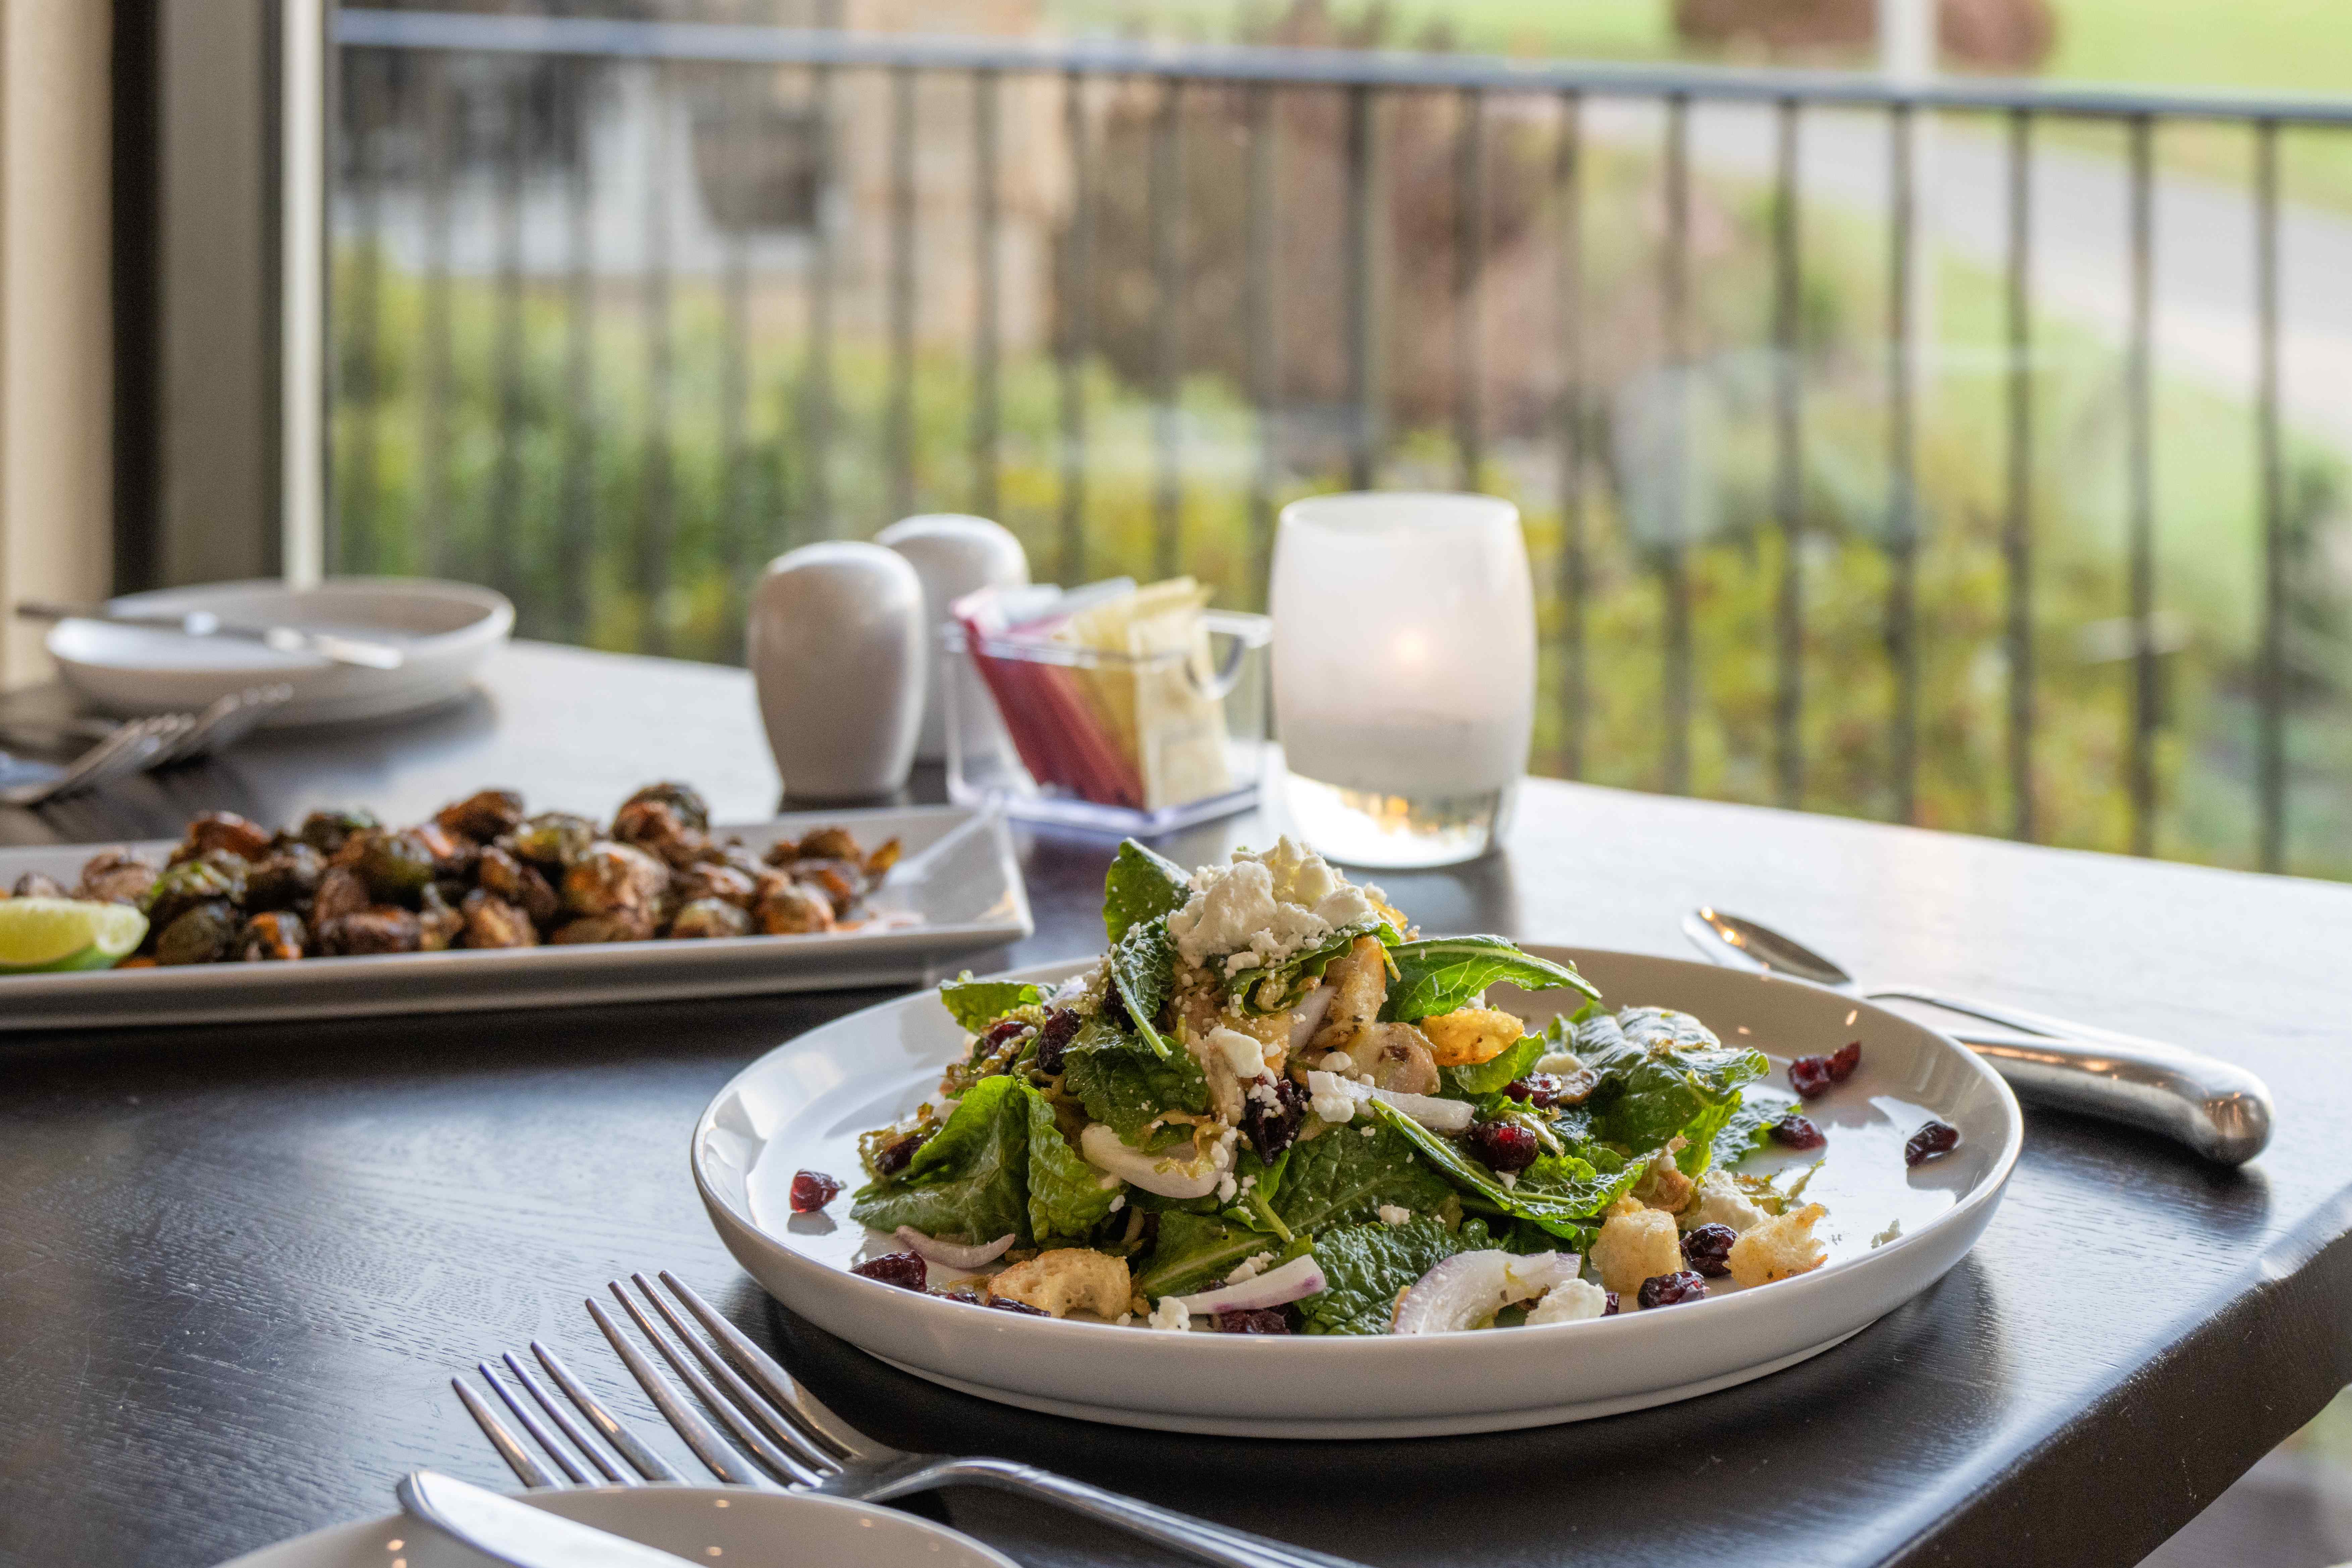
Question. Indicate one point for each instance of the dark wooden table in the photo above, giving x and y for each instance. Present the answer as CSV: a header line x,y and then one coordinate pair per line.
x,y
238,1266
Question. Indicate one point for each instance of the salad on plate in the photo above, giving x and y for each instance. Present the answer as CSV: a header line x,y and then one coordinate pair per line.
x,y
1275,1106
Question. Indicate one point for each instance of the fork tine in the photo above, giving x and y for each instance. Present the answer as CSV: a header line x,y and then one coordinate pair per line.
x,y
707,1445
763,1370
510,1448
786,1433
749,1436
566,1423
534,1426
650,1465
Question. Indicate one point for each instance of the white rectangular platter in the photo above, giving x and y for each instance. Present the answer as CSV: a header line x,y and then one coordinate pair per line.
x,y
956,892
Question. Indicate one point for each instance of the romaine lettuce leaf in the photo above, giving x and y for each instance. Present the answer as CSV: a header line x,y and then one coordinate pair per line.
x,y
1748,1127
1483,1078
1366,1266
976,1004
1143,967
1195,1251
1125,1084
1439,974
1559,1192
1660,1072
1068,1197
1142,886
967,1184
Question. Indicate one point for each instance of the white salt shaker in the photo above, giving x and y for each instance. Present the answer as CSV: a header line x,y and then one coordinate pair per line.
x,y
955,555
836,650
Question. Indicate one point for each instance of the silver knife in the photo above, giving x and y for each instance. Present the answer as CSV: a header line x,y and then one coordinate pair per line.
x,y
513,1532
204,623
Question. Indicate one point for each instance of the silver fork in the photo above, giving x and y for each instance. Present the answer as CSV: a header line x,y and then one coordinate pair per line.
x,y
223,722
129,749
796,1441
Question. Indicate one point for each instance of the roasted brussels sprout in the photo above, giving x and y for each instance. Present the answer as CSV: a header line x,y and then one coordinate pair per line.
x,y
437,925
654,826
342,892
204,932
785,907
288,874
842,881
453,856
517,882
190,883
114,876
684,799
829,844
37,885
704,879
622,925
326,831
491,921
553,838
227,830
395,865
385,928
483,815
273,936
709,918
611,878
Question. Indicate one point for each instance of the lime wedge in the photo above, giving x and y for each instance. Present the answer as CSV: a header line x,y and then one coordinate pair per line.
x,y
49,934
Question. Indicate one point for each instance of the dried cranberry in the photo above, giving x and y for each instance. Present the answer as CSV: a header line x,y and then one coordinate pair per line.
x,y
1933,1138
1504,1145
907,1270
1810,1076
1114,1010
1054,1037
812,1190
891,1160
1255,1321
1271,1112
1707,1250
1001,1031
1007,1304
1672,1290
964,1293
1845,1059
1797,1132
1609,1306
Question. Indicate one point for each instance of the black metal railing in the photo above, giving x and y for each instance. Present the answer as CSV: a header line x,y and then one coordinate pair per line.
x,y
397,71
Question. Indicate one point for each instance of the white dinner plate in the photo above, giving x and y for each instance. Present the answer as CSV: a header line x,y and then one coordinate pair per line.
x,y
729,1525
445,629
956,892
1892,1232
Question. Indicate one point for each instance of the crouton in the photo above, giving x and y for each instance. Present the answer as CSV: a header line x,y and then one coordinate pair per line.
x,y
1662,1184
1778,1248
1068,1279
1633,1248
1471,1035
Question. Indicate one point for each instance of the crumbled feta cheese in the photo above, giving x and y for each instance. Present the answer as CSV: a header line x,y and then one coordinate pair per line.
x,y
1339,1062
1569,1302
1241,1053
1329,1096
1884,1237
1119,1203
1508,1178
1561,1062
1390,1213
1124,1319
1172,1313
1226,1188
1261,908
1371,1131
1720,1201
1248,1267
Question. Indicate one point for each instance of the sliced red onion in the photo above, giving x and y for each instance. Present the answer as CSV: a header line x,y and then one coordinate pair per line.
x,y
1162,1173
1436,1114
948,1254
1294,1282
1468,1288
1308,1016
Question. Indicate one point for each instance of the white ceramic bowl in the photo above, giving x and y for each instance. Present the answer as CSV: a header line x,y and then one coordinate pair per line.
x,y
447,630
805,1104
732,1525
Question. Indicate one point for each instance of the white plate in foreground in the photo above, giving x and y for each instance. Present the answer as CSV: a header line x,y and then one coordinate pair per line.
x,y
445,629
956,892
704,1524
1892,1232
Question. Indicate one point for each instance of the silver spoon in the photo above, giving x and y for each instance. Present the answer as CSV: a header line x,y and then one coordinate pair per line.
x,y
2222,1112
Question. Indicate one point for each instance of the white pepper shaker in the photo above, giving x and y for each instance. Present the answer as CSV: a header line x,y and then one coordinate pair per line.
x,y
836,650
955,555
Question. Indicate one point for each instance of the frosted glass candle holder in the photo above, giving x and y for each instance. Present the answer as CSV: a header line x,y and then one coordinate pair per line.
x,y
1405,673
